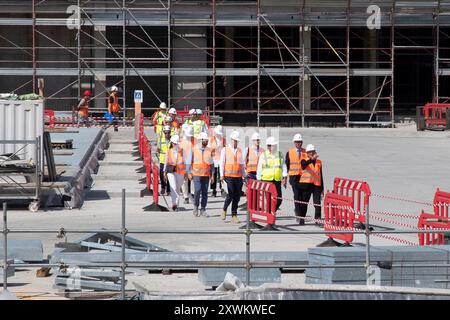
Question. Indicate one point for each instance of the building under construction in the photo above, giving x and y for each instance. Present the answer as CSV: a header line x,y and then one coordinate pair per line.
x,y
305,61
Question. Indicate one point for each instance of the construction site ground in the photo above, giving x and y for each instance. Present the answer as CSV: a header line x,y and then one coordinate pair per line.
x,y
400,163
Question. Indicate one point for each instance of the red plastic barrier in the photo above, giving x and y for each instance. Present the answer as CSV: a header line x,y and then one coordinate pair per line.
x,y
339,216
148,162
437,220
358,191
428,221
441,203
262,201
51,117
155,176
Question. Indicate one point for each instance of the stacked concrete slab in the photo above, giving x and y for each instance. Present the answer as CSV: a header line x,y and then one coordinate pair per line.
x,y
391,260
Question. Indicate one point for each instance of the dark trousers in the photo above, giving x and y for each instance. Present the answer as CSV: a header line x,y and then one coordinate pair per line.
x,y
279,195
234,186
294,182
201,188
115,121
216,178
307,190
165,187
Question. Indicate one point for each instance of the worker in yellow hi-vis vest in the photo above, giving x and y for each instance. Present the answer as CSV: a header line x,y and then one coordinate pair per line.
x,y
272,167
163,147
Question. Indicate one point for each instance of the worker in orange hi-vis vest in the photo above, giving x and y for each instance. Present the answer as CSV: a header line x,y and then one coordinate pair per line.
x,y
232,171
251,156
83,108
217,143
293,163
175,170
113,106
311,182
187,143
200,167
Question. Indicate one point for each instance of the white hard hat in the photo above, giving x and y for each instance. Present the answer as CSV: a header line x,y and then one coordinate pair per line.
x,y
203,136
162,105
297,137
235,135
114,88
169,119
175,139
256,136
199,111
166,128
271,141
310,147
192,111
189,131
173,111
218,130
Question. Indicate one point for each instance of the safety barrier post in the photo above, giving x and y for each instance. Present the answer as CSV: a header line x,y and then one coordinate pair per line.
x,y
339,216
359,191
262,200
155,206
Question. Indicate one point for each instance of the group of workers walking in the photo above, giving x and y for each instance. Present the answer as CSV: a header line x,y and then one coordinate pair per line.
x,y
188,153
113,108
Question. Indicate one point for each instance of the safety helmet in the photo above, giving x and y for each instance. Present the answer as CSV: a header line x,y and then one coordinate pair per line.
x,y
166,128
169,119
235,136
256,136
203,136
218,130
192,112
87,93
271,141
173,111
114,89
198,111
162,105
310,147
297,137
175,139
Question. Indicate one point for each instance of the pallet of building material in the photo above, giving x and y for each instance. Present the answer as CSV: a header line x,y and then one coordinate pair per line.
x,y
24,250
72,284
64,144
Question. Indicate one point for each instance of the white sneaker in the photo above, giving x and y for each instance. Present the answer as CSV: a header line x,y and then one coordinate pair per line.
x,y
203,213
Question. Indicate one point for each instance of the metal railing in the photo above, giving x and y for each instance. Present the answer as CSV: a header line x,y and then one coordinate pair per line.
x,y
247,264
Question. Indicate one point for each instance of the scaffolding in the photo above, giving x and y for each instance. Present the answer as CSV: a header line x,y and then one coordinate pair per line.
x,y
305,60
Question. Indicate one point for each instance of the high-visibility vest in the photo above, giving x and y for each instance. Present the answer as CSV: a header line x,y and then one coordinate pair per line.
x,y
114,106
216,147
177,160
186,145
163,145
233,163
295,162
188,121
272,166
311,174
198,126
252,159
160,120
83,110
201,162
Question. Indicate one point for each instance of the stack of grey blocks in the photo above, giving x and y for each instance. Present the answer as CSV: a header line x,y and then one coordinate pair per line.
x,y
391,260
